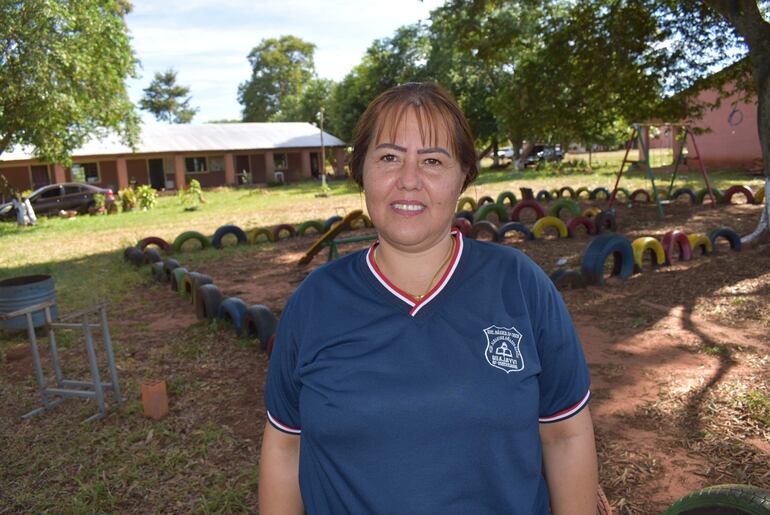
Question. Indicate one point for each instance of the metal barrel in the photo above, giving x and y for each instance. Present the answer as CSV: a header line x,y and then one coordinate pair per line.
x,y
19,292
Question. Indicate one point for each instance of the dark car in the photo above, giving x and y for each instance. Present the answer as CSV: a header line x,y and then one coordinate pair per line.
x,y
68,196
545,153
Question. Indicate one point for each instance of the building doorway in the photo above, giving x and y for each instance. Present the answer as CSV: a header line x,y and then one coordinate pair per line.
x,y
157,176
314,164
40,176
242,170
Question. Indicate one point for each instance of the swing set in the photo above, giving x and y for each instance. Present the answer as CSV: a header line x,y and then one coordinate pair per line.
x,y
640,136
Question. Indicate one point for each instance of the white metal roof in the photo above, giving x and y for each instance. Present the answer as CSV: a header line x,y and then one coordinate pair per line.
x,y
202,138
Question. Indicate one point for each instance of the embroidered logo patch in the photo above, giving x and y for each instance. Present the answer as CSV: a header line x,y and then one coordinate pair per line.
x,y
503,348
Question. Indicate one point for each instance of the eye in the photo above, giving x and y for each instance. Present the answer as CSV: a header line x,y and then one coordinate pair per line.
x,y
388,158
432,161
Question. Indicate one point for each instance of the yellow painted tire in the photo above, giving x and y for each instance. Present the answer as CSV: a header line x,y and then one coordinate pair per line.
x,y
580,191
759,196
591,212
642,245
466,200
700,241
549,221
260,231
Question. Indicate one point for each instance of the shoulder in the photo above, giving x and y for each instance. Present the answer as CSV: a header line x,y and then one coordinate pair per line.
x,y
329,276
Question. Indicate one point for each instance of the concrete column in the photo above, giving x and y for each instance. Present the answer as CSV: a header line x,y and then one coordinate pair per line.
x,y
306,170
339,161
269,166
179,178
229,170
58,174
122,173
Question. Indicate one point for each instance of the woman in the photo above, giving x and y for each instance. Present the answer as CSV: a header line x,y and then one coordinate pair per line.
x,y
429,373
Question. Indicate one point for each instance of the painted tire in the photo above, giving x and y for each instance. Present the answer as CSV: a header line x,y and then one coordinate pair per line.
x,y
556,208
527,193
728,234
361,222
331,221
514,226
191,281
466,200
152,256
684,192
527,204
506,195
207,301
190,235
154,240
231,310
601,248
465,214
673,239
310,224
555,194
283,228
723,499
549,221
702,242
134,256
169,265
176,277
646,244
596,191
485,227
464,225
606,221
662,193
367,221
703,194
157,271
486,199
742,190
259,322
567,279
254,234
625,192
640,192
567,189
577,222
220,233
591,212
580,191
759,196
543,196
486,210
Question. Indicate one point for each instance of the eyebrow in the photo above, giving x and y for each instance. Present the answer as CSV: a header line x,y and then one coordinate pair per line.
x,y
430,150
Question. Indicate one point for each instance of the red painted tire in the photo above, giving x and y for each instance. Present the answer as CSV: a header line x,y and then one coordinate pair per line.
x,y
527,204
464,225
577,222
154,240
673,239
743,190
278,229
636,193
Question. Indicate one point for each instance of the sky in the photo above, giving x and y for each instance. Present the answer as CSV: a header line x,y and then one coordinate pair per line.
x,y
207,41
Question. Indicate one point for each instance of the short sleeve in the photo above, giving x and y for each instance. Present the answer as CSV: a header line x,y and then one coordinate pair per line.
x,y
564,378
282,387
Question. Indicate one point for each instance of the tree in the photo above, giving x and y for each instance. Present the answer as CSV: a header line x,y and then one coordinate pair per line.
x,y
166,100
280,69
305,106
63,67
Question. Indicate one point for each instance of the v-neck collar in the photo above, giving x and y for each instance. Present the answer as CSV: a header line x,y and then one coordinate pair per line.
x,y
414,304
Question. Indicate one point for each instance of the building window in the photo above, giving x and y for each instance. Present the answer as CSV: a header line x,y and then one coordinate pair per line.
x,y
85,172
195,164
217,164
281,161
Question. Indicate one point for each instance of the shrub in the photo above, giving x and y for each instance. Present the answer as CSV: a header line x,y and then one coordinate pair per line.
x,y
146,196
191,196
127,199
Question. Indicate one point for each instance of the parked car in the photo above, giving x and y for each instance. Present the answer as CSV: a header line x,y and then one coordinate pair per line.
x,y
68,196
506,152
545,153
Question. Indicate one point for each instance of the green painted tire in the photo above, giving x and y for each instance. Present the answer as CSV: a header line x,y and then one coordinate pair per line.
x,y
556,208
625,192
702,194
310,224
506,195
176,277
466,200
485,210
190,235
723,499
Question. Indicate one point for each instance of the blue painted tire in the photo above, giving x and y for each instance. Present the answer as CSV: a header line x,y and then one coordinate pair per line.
x,y
152,256
465,214
331,221
606,221
484,226
514,226
686,192
168,267
595,193
729,234
134,256
568,279
259,322
236,231
207,301
601,248
231,310
157,272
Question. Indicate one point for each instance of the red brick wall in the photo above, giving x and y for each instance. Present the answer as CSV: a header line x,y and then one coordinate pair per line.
x,y
207,180
137,170
17,177
108,173
258,168
294,173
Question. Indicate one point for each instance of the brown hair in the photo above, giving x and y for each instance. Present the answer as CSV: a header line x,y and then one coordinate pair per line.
x,y
433,106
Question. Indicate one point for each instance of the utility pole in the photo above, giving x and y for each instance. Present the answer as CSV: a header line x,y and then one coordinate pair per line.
x,y
323,152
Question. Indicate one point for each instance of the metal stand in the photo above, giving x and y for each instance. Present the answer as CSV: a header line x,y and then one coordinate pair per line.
x,y
332,244
65,388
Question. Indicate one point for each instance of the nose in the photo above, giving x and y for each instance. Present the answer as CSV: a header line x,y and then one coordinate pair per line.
x,y
409,175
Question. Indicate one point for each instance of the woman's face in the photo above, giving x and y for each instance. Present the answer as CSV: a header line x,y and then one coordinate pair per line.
x,y
411,186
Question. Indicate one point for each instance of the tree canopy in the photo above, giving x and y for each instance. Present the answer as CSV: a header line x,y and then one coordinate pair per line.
x,y
166,100
63,67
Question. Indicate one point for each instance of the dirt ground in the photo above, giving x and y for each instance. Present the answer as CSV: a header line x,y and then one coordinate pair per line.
x,y
679,358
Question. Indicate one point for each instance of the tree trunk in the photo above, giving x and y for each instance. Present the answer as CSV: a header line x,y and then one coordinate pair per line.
x,y
495,157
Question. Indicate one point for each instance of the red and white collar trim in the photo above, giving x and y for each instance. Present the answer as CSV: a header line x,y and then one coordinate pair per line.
x,y
395,290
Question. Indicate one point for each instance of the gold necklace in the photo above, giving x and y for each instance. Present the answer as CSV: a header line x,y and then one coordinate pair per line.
x,y
419,298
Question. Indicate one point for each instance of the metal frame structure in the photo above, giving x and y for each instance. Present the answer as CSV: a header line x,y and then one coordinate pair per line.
x,y
69,388
637,135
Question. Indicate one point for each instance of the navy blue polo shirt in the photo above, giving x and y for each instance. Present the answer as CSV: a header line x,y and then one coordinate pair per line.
x,y
428,407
